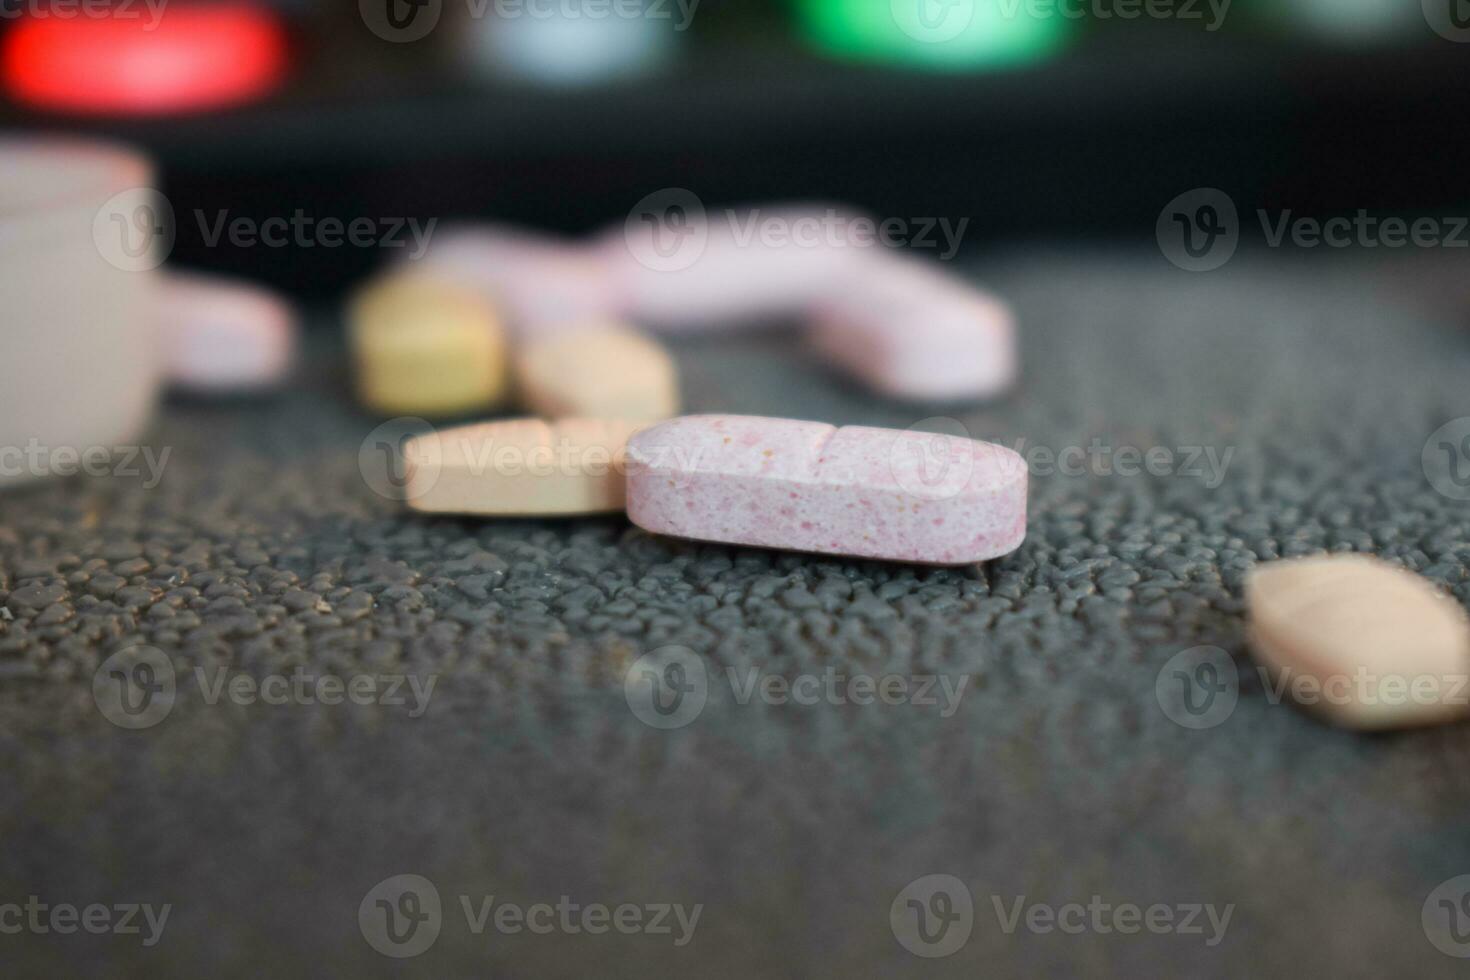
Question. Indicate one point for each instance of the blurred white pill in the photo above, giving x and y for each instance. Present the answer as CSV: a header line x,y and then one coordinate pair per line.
x,y
537,282
224,335
911,331
680,267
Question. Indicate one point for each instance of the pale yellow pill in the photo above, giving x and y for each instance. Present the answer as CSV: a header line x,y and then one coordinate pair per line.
x,y
601,371
520,467
1365,643
426,347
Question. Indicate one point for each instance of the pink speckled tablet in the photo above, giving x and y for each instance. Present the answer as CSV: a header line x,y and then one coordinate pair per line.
x,y
806,486
222,335
910,331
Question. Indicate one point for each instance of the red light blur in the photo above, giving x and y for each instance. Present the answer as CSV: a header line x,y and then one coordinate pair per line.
x,y
191,58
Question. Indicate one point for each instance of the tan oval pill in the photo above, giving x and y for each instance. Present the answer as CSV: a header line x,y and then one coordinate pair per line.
x,y
520,468
426,347
1368,644
599,371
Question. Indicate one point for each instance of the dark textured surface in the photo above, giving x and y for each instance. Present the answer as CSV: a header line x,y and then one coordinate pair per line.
x,y
1059,776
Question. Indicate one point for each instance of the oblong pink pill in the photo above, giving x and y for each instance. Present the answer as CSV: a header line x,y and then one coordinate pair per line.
x,y
729,269
909,331
807,486
540,283
221,334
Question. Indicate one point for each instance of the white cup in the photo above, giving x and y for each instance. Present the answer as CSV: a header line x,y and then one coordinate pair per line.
x,y
79,371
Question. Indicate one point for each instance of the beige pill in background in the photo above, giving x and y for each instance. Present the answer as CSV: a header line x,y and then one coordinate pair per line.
x,y
220,335
426,347
1368,644
607,371
520,468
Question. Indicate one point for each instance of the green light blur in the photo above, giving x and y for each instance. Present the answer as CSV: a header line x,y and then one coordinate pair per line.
x,y
941,34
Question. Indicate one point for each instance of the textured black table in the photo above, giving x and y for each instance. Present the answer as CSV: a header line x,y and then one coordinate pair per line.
x,y
1059,777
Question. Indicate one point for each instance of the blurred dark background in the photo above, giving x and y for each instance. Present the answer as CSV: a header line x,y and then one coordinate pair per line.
x,y
1083,127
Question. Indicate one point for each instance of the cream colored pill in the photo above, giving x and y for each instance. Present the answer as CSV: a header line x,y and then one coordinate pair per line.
x,y
520,468
607,371
426,347
223,335
1366,643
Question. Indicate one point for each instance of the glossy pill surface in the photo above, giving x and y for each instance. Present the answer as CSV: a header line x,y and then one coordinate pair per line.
x,y
1363,642
807,486
519,467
